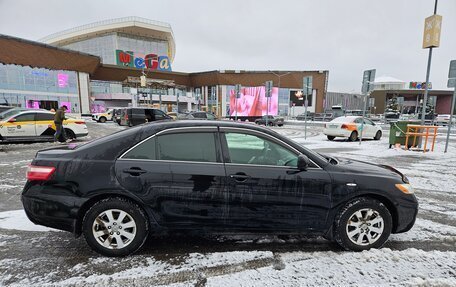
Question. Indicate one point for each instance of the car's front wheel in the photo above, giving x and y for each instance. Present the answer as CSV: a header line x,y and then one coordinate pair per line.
x,y
102,120
363,223
115,227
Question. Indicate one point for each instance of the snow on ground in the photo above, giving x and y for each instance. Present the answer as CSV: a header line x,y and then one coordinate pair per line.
x,y
17,220
369,268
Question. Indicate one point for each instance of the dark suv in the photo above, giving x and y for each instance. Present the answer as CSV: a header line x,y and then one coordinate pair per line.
x,y
136,116
212,176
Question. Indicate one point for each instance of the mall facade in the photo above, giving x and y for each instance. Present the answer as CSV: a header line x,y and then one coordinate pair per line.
x,y
93,67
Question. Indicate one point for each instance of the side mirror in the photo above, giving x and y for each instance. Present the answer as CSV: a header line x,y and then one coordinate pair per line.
x,y
303,162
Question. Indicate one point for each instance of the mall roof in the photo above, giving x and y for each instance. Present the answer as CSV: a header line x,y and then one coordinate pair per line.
x,y
128,25
387,79
23,52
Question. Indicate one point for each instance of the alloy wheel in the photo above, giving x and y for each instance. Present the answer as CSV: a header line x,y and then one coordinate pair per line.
x,y
114,229
365,227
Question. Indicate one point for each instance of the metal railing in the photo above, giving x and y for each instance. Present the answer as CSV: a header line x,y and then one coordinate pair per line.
x,y
106,22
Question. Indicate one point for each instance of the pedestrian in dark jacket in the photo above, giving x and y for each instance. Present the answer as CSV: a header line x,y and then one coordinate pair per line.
x,y
58,121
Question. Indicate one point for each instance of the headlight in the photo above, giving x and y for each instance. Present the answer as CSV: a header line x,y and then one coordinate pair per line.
x,y
405,188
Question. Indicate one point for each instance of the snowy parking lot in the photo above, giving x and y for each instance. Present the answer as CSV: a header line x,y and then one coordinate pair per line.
x,y
32,255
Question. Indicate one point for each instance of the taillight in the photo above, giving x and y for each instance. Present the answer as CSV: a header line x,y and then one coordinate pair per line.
x,y
79,122
40,172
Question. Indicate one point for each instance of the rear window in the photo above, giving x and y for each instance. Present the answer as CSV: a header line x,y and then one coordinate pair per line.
x,y
343,120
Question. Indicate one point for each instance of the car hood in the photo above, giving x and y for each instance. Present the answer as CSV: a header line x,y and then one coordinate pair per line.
x,y
362,167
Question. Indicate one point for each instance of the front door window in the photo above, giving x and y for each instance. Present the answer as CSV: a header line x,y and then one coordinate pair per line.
x,y
251,149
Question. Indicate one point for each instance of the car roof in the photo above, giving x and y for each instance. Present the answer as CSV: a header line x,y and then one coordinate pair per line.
x,y
191,123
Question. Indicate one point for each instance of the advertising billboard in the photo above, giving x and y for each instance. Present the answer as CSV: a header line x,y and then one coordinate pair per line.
x,y
252,102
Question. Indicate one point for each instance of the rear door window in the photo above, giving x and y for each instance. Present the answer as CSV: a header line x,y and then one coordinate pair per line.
x,y
145,150
25,118
44,117
196,147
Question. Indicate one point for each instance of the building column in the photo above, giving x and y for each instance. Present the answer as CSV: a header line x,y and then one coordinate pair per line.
x,y
84,93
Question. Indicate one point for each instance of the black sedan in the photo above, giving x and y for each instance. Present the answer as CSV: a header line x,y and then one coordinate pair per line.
x,y
270,121
212,176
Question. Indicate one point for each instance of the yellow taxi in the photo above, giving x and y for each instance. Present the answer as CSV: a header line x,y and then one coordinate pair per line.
x,y
36,125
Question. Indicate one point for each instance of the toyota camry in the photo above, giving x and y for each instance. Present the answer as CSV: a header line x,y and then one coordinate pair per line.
x,y
212,177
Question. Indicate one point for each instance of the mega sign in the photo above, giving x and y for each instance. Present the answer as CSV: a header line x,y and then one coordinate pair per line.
x,y
149,61
419,85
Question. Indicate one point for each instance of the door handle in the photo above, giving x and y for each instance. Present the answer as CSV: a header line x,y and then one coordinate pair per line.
x,y
240,177
135,171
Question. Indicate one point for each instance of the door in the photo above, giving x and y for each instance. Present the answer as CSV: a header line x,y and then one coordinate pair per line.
x,y
159,115
20,126
267,192
370,128
44,125
180,176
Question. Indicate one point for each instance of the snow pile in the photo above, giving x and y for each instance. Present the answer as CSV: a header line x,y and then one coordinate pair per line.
x,y
17,220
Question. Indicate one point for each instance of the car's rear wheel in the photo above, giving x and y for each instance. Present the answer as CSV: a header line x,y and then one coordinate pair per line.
x,y
102,120
353,136
362,224
115,227
331,138
378,135
70,134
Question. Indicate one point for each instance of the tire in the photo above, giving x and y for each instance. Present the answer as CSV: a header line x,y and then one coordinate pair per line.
x,y
378,135
70,134
102,120
133,234
372,232
353,136
331,138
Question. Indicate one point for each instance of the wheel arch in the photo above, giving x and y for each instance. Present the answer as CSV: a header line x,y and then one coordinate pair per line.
x,y
96,198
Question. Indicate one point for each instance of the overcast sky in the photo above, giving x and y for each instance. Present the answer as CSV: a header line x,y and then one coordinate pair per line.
x,y
344,37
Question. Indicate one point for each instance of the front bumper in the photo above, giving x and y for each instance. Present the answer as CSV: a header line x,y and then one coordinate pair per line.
x,y
407,210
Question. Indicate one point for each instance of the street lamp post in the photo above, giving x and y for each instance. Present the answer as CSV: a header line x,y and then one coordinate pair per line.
x,y
280,76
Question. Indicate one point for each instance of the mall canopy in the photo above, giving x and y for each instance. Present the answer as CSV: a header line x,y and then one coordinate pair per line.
x,y
23,52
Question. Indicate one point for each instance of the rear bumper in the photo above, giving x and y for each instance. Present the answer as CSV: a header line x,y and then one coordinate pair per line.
x,y
337,132
82,134
51,206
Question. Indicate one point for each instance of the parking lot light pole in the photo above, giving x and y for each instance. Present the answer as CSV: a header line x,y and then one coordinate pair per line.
x,y
280,76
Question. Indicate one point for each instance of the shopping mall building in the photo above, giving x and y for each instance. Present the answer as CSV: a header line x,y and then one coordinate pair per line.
x,y
97,66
